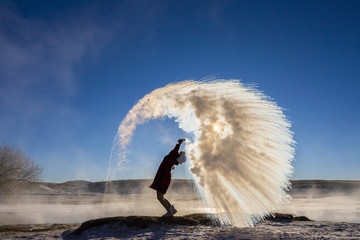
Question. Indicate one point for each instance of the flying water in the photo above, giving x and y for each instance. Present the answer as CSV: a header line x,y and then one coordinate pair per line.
x,y
240,150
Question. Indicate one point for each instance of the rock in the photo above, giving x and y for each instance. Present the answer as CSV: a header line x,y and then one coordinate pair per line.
x,y
301,218
187,220
286,217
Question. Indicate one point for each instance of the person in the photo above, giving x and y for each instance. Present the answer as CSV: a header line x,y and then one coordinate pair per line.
x,y
163,177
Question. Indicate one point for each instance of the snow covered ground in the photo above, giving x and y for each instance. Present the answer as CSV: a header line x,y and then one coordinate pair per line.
x,y
264,230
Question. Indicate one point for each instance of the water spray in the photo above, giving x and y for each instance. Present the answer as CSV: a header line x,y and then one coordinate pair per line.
x,y
241,145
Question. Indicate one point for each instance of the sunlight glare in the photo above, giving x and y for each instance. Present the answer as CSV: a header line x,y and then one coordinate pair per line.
x,y
216,128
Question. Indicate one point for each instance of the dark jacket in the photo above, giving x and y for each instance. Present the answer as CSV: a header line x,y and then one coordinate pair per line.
x,y
163,176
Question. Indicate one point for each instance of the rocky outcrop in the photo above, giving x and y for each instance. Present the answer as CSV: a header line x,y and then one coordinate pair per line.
x,y
187,220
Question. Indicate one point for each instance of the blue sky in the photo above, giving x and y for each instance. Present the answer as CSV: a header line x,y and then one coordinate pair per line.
x,y
71,70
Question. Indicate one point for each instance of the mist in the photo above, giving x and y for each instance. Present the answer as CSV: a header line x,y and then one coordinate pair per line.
x,y
240,149
79,201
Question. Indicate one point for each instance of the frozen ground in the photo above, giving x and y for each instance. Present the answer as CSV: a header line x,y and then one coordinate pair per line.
x,y
264,230
51,210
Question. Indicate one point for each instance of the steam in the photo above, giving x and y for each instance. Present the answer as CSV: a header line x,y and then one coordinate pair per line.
x,y
241,147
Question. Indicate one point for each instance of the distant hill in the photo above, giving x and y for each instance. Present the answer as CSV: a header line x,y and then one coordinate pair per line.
x,y
319,188
315,188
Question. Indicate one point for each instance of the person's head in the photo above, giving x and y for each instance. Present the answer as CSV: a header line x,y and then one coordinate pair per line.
x,y
182,157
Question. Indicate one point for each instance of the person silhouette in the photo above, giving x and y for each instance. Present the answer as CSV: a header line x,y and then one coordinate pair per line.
x,y
163,177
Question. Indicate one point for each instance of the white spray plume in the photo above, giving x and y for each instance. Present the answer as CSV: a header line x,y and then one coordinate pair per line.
x,y
241,147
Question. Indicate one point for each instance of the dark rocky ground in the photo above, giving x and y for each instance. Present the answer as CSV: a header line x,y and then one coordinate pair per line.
x,y
194,226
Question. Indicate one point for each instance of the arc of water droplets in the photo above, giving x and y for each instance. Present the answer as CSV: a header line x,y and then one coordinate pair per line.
x,y
242,145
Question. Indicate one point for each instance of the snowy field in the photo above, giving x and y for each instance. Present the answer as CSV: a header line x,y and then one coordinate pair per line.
x,y
49,211
265,230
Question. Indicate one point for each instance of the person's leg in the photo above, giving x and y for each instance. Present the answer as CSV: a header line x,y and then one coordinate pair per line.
x,y
162,200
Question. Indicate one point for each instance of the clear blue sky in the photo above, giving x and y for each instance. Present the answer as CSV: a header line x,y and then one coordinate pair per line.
x,y
71,70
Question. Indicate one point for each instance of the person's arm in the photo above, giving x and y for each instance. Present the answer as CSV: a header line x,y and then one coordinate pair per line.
x,y
180,141
177,146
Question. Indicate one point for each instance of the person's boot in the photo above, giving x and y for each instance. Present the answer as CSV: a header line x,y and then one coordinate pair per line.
x,y
168,213
172,210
